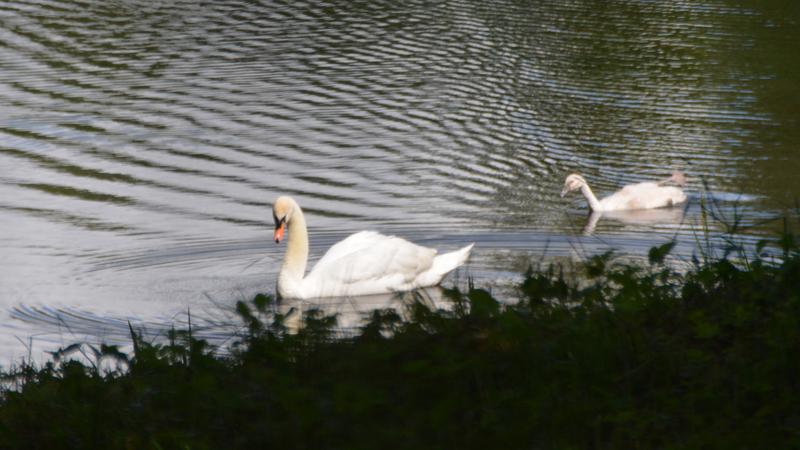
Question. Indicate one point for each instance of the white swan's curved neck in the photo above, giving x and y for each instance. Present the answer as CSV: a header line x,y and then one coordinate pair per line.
x,y
296,257
594,204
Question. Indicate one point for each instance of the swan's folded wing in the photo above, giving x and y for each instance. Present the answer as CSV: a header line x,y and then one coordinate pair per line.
x,y
352,244
643,196
369,257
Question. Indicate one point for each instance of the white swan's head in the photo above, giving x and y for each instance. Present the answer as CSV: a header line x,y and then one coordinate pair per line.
x,y
572,183
282,211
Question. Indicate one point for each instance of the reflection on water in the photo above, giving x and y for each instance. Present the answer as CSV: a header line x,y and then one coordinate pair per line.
x,y
141,143
220,323
644,217
352,311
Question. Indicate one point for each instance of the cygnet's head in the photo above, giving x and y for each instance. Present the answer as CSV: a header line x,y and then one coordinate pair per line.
x,y
282,211
678,178
572,183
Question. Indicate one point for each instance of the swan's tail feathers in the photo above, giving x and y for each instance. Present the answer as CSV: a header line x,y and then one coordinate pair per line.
x,y
677,178
446,263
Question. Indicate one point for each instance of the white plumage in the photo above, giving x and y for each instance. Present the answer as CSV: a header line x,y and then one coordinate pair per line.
x,y
647,195
364,263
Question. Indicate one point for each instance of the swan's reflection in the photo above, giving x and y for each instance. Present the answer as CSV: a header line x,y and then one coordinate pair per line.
x,y
219,324
637,217
352,313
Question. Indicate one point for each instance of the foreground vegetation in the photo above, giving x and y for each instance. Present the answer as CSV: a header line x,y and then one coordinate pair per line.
x,y
618,356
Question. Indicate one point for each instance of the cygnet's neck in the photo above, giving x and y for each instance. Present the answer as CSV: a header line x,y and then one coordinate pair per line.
x,y
296,257
594,204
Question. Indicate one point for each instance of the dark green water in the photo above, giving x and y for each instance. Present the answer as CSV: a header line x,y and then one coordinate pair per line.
x,y
142,143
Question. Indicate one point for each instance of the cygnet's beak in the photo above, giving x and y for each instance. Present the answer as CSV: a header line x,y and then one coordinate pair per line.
x,y
279,230
564,191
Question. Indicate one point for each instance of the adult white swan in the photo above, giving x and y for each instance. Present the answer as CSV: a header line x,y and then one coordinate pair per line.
x,y
645,195
364,263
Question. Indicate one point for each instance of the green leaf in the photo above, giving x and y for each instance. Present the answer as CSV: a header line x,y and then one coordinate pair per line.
x,y
261,301
657,254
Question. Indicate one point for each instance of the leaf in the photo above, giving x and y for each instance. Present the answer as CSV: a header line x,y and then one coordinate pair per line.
x,y
62,352
657,254
261,301
134,339
243,310
113,351
482,304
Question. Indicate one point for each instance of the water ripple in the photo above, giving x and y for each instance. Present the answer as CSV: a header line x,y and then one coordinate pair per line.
x,y
128,129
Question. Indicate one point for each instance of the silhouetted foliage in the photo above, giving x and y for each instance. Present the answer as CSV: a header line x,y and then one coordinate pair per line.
x,y
618,356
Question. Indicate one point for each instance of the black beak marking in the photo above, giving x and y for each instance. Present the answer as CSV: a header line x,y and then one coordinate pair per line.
x,y
278,224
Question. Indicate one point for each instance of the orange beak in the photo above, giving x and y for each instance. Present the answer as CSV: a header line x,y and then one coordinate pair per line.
x,y
279,232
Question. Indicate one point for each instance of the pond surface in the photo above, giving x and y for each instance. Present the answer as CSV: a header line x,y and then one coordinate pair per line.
x,y
142,143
